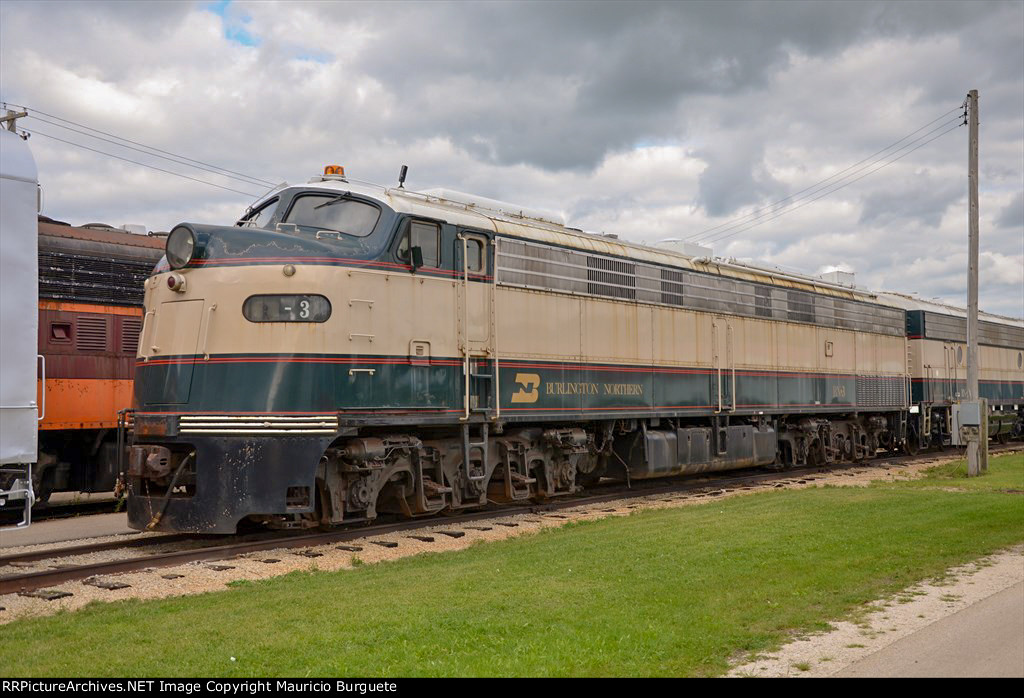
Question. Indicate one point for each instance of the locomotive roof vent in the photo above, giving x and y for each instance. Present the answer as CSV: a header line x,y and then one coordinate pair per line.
x,y
688,249
840,277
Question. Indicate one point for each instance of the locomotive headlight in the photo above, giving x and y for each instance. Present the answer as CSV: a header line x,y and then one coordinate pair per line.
x,y
181,245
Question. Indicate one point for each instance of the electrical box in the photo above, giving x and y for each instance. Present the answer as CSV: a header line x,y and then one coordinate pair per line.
x,y
970,414
966,422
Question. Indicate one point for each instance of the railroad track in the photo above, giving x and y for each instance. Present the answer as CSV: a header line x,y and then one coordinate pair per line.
x,y
63,510
239,545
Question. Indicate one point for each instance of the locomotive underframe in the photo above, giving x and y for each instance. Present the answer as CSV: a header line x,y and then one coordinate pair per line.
x,y
209,484
931,424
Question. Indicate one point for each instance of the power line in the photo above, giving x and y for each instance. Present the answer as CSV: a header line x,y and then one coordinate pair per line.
x,y
245,180
822,185
757,222
143,164
741,220
254,180
828,189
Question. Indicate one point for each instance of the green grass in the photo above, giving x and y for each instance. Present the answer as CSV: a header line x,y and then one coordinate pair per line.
x,y
1004,473
674,592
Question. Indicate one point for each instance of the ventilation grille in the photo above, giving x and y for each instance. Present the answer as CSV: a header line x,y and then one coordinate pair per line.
x,y
550,268
762,301
672,286
801,306
84,278
611,277
130,328
880,392
539,266
954,329
91,334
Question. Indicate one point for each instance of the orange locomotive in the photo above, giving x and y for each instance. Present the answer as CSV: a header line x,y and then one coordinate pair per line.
x,y
90,315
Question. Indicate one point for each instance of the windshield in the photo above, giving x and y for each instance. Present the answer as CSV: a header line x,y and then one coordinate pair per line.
x,y
312,213
260,217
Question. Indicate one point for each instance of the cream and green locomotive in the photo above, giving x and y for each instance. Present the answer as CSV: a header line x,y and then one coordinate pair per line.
x,y
347,350
937,365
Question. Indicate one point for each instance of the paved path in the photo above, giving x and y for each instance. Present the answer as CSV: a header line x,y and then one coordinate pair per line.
x,y
966,622
59,530
984,639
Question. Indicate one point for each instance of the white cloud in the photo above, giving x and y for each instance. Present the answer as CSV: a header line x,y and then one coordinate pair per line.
x,y
644,119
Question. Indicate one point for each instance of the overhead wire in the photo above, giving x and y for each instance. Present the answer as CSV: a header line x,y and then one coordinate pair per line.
x,y
221,170
822,184
36,132
245,180
760,221
726,229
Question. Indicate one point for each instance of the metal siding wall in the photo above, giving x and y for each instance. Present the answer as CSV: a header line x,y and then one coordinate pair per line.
x,y
19,301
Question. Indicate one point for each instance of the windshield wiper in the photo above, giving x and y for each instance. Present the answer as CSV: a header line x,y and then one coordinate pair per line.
x,y
339,197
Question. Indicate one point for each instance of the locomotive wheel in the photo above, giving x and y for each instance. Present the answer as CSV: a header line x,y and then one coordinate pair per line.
x,y
910,446
45,488
814,458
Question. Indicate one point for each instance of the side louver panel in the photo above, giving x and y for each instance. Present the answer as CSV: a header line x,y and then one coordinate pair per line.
x,y
258,424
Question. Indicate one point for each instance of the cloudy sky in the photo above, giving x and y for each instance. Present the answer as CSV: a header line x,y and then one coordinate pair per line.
x,y
649,120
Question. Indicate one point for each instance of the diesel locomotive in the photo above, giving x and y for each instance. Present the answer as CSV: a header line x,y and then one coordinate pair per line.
x,y
90,315
347,350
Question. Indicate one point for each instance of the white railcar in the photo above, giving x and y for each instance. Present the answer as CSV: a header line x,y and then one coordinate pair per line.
x,y
20,410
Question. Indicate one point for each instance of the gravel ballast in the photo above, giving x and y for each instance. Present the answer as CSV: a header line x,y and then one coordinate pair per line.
x,y
201,577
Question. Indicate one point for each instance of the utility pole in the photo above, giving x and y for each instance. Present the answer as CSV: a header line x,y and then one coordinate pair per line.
x,y
10,118
975,464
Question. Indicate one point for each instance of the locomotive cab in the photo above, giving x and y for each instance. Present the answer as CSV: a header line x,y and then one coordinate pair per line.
x,y
259,337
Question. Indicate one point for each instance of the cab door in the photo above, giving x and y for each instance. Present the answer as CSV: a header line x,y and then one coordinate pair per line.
x,y
474,264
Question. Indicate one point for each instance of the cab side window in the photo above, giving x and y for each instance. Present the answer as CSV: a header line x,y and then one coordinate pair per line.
x,y
426,236
474,255
259,218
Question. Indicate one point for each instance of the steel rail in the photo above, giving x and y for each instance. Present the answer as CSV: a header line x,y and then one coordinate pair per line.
x,y
713,486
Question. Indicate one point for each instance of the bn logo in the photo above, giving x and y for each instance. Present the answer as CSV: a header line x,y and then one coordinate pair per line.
x,y
528,388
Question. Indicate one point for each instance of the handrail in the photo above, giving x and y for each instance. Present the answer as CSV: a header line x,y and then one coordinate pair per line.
x,y
465,321
494,326
717,362
732,361
206,332
145,332
42,390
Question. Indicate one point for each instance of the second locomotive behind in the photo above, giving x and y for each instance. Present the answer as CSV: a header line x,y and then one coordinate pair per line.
x,y
90,315
347,350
